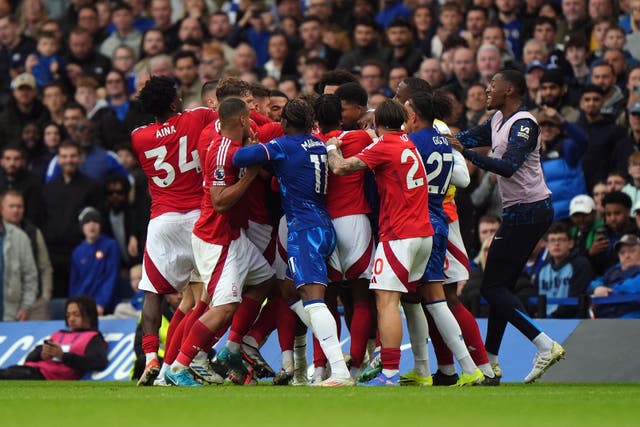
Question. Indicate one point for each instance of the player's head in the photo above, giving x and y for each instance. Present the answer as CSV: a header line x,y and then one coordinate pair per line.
x,y
389,116
411,85
328,112
234,115
297,117
505,86
159,97
353,99
424,107
208,94
333,79
236,88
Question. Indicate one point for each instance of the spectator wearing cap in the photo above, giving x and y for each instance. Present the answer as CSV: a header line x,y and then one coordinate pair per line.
x,y
95,264
563,145
632,189
403,51
22,108
585,224
564,273
605,151
535,70
621,279
617,208
552,93
14,50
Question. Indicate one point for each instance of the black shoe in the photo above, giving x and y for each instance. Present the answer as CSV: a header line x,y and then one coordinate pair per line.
x,y
444,380
491,382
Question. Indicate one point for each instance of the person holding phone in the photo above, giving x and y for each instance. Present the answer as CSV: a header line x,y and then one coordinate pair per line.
x,y
69,353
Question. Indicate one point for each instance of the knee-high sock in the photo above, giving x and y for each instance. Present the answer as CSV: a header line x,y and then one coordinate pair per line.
x,y
265,323
173,347
286,324
298,308
197,340
243,318
418,335
194,315
360,328
319,359
324,328
173,325
443,354
471,334
451,333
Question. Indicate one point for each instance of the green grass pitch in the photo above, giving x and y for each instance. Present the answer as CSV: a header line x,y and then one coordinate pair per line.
x,y
93,404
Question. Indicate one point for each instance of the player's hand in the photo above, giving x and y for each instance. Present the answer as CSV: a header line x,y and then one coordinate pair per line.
x,y
455,143
601,291
22,316
334,141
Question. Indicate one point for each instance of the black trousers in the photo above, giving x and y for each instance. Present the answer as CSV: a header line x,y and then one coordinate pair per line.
x,y
522,227
18,372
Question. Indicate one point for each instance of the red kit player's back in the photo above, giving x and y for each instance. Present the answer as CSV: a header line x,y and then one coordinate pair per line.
x,y
168,155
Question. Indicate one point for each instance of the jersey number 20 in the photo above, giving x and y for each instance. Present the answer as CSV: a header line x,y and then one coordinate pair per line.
x,y
160,154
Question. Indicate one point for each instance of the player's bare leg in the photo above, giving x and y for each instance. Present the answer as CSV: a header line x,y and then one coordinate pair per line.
x,y
151,319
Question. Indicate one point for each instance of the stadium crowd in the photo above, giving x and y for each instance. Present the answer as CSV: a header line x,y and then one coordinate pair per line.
x,y
72,179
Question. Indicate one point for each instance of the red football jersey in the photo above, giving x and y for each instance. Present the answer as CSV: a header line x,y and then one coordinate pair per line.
x,y
346,193
168,155
214,227
402,184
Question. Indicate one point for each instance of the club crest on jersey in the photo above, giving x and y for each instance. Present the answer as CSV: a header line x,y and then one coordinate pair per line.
x,y
167,130
219,174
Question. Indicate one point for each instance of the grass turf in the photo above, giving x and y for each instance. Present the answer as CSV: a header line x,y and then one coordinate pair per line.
x,y
94,404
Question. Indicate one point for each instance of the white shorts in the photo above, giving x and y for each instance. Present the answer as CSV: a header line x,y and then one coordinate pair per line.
x,y
456,267
262,236
400,264
168,262
280,261
227,269
353,256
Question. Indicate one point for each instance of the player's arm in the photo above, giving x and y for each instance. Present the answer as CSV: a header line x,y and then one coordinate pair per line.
x,y
224,197
338,164
460,173
521,143
479,136
257,154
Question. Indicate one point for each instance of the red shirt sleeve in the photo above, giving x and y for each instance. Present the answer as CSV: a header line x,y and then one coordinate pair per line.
x,y
372,155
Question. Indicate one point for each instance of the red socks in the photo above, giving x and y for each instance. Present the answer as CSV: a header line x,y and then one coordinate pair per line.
x,y
244,317
360,328
198,338
471,334
266,322
286,324
150,343
194,315
173,347
390,358
173,325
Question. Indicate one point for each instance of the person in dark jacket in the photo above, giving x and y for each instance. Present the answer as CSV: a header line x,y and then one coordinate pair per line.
x,y
14,176
605,137
564,144
563,274
64,198
69,353
23,108
366,35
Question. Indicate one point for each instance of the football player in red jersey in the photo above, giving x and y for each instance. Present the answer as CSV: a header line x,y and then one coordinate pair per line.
x,y
167,153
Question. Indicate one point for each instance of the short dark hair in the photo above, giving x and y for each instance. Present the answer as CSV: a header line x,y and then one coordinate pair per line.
x,y
353,93
157,95
559,228
68,143
390,114
13,147
277,94
415,84
209,86
490,219
617,198
310,18
185,54
298,114
117,178
74,106
259,90
516,78
399,22
602,63
480,9
589,88
541,20
367,22
336,78
328,110
430,105
231,108
120,5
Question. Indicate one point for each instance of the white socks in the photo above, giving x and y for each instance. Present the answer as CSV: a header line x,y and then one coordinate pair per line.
x,y
324,328
451,334
287,360
543,343
150,356
201,357
300,351
418,335
234,347
299,309
493,358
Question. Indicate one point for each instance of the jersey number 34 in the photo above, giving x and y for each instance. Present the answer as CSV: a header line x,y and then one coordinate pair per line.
x,y
160,154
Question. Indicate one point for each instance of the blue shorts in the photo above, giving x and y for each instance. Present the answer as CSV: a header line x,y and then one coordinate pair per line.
x,y
308,252
436,265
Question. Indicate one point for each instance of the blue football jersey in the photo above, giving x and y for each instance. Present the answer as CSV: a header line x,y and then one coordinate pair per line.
x,y
437,156
300,164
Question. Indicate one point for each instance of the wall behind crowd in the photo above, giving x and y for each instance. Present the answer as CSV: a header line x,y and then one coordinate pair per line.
x,y
70,71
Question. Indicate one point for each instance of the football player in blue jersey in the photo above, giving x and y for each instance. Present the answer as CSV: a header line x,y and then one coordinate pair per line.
x,y
299,161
